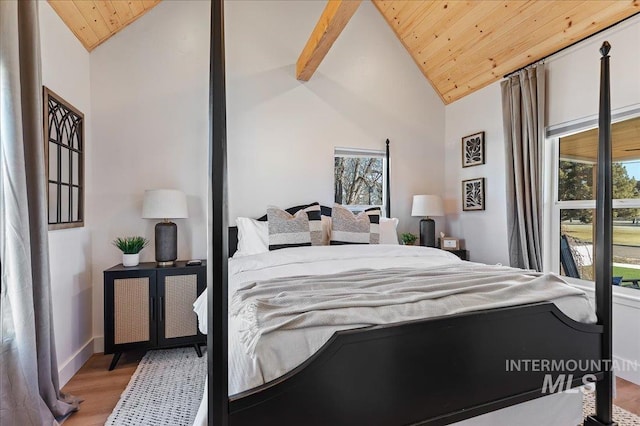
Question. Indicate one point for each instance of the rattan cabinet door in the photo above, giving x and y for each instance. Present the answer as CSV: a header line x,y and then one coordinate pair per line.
x,y
130,310
177,290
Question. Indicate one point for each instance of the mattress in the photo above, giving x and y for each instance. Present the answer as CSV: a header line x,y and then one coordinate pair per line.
x,y
284,350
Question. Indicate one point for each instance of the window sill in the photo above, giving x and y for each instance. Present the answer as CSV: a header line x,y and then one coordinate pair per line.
x,y
625,296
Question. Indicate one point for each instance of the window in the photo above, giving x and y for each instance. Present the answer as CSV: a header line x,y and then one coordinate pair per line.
x,y
64,159
576,174
360,178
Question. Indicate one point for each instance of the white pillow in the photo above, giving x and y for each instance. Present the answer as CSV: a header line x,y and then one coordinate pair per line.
x,y
388,233
253,237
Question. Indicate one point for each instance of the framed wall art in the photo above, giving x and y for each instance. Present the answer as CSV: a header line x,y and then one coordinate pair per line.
x,y
473,194
473,150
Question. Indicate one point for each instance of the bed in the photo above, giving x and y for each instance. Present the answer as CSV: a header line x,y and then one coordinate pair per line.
x,y
281,351
433,371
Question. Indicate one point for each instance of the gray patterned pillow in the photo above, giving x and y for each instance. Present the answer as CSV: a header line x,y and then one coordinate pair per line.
x,y
347,228
304,228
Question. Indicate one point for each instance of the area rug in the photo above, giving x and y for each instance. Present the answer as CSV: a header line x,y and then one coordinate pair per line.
x,y
620,415
166,389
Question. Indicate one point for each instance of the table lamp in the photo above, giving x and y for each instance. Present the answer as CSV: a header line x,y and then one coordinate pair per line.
x,y
425,206
165,204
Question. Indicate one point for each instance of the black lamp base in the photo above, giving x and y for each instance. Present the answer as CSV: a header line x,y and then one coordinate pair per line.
x,y
166,243
427,232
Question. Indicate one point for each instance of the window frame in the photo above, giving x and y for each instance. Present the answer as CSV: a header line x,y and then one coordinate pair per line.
x,y
551,202
364,153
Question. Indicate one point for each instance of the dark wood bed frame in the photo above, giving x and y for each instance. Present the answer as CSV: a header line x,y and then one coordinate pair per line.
x,y
429,372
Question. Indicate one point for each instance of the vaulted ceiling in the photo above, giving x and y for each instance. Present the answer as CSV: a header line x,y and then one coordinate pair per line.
x,y
94,21
460,46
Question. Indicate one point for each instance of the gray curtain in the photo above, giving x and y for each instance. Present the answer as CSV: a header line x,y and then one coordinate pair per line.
x,y
29,391
523,106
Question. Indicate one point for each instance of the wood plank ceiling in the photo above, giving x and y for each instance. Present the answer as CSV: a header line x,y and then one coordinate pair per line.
x,y
462,46
94,21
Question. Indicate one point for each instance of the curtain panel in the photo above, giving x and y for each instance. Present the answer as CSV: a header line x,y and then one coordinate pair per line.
x,y
523,109
29,390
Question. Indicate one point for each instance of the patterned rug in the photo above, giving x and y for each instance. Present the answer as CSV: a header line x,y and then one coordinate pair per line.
x,y
166,389
620,415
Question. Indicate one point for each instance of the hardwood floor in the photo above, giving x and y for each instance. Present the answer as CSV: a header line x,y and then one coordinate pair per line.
x,y
101,389
628,396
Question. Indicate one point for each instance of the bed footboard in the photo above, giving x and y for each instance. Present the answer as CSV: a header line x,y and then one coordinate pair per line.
x,y
431,372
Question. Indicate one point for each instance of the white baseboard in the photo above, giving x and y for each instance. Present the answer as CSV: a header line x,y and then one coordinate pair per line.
x,y
98,344
73,364
632,371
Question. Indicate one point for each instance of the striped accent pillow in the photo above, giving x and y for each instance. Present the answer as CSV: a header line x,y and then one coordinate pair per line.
x,y
304,228
314,213
347,228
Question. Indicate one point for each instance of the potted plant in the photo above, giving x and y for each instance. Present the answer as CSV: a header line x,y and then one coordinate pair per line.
x,y
408,239
130,248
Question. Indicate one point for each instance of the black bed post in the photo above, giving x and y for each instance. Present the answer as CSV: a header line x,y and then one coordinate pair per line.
x,y
218,395
388,184
604,237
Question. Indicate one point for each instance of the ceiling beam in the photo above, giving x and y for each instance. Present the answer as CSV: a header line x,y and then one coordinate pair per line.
x,y
334,18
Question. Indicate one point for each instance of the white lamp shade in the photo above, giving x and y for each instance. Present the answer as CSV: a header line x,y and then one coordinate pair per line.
x,y
427,205
164,204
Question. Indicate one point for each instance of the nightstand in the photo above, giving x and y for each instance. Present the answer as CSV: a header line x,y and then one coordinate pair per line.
x,y
462,254
151,307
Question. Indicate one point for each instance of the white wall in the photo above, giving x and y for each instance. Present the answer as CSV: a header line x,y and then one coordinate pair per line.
x,y
573,77
65,70
282,132
484,232
149,99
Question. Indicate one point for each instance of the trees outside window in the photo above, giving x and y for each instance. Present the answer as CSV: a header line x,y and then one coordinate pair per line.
x,y
575,182
359,178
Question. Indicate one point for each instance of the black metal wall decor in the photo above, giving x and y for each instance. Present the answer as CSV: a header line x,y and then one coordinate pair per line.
x,y
473,150
64,161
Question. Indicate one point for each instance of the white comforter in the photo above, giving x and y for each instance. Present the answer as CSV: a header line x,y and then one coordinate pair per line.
x,y
283,350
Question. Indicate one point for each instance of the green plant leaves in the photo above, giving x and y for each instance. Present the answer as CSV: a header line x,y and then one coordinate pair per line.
x,y
130,245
